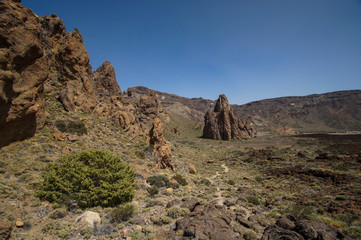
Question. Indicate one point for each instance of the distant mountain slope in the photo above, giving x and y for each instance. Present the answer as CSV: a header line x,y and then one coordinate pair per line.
x,y
328,112
335,111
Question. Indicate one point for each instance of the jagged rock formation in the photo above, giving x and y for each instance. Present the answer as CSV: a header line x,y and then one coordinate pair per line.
x,y
161,152
23,70
111,103
223,124
105,81
70,72
149,107
288,227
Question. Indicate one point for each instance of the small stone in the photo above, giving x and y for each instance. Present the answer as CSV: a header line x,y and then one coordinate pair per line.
x,y
192,169
73,138
170,190
138,228
59,136
126,232
19,224
88,219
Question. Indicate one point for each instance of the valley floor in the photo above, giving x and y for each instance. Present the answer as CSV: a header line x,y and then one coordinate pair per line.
x,y
314,177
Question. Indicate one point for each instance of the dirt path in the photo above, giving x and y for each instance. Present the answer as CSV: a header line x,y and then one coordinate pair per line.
x,y
219,199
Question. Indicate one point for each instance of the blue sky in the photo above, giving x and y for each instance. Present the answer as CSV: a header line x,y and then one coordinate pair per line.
x,y
246,49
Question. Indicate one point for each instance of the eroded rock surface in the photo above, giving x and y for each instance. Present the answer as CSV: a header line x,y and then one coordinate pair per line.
x,y
23,71
222,124
105,81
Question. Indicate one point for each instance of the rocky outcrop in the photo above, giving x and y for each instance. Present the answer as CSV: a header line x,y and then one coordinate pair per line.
x,y
149,107
120,112
105,81
288,227
38,57
75,73
223,124
161,152
23,71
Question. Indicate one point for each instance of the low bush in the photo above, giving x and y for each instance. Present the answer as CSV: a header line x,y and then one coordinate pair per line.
x,y
177,212
91,178
179,178
159,181
301,211
123,212
249,235
71,127
153,190
61,229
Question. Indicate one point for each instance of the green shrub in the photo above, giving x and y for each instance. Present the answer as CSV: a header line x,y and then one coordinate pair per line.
x,y
177,212
123,212
153,190
61,229
346,217
254,200
300,211
231,182
249,235
159,181
205,181
179,178
71,127
91,178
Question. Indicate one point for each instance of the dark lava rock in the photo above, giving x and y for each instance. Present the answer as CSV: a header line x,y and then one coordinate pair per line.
x,y
207,222
289,228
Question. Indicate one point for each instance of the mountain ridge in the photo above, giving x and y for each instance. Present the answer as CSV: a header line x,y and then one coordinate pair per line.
x,y
298,112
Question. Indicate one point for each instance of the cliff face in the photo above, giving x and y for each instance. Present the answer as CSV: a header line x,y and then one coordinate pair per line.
x,y
23,71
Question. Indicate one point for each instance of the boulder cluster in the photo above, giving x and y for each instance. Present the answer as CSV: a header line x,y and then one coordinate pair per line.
x,y
222,124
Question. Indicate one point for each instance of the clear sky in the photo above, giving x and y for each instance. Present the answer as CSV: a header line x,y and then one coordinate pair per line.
x,y
246,49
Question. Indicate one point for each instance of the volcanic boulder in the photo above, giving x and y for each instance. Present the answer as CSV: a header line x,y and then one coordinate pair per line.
x,y
161,152
222,124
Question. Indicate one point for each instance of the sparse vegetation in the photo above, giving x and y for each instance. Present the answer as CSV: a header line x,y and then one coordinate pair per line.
x,y
75,127
159,181
123,212
180,179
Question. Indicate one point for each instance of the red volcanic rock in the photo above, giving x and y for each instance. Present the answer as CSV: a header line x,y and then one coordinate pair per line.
x,y
23,71
161,152
105,81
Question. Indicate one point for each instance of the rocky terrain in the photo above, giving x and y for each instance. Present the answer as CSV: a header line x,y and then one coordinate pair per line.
x,y
280,185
